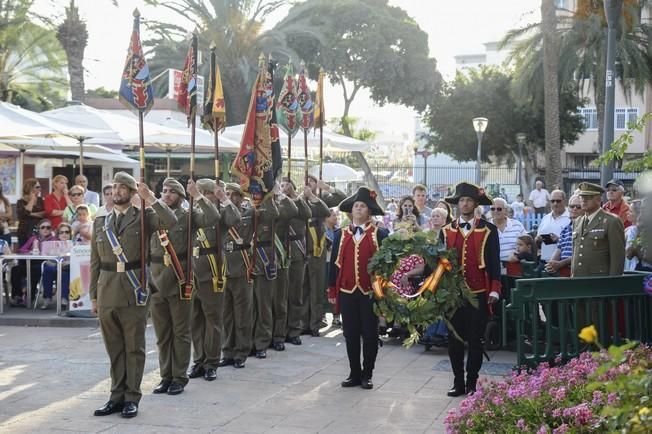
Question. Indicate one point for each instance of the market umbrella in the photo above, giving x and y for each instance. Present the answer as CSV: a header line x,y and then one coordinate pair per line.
x,y
333,172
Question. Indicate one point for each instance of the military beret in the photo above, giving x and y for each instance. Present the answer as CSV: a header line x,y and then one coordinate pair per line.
x,y
125,179
175,186
590,189
206,185
231,186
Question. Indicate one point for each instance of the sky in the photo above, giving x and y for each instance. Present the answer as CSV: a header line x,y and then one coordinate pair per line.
x,y
454,27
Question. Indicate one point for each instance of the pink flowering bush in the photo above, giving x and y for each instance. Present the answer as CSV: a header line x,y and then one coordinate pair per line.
x,y
608,391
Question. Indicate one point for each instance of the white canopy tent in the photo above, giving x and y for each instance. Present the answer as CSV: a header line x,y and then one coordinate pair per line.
x,y
336,172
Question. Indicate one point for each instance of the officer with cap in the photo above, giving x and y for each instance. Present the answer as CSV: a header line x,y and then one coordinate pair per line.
x,y
117,294
314,287
598,237
169,265
208,296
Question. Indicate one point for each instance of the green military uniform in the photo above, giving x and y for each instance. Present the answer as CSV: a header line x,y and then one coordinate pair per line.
x,y
122,322
208,299
170,313
314,288
238,291
287,209
598,241
265,272
298,260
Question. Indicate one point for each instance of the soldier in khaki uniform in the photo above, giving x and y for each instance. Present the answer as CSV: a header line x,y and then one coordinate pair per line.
x,y
314,288
598,237
287,209
208,297
170,309
112,290
238,291
298,261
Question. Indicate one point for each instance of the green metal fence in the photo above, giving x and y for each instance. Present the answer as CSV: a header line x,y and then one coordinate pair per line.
x,y
549,313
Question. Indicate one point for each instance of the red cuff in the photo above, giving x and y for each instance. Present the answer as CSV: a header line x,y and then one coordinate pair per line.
x,y
495,286
332,292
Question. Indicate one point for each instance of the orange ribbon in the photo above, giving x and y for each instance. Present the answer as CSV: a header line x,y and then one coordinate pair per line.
x,y
379,285
432,282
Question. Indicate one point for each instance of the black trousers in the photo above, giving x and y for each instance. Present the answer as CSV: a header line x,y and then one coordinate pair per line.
x,y
19,272
359,321
469,323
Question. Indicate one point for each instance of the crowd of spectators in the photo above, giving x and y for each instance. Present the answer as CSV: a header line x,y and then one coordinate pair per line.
x,y
65,214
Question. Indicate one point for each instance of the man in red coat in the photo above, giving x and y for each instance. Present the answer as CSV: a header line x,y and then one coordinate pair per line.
x,y
353,247
478,250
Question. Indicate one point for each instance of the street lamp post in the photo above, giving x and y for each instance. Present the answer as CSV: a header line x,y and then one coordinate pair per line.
x,y
520,139
480,126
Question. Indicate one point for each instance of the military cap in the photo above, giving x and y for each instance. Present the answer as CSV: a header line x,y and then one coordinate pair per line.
x,y
125,179
206,185
231,186
175,186
590,189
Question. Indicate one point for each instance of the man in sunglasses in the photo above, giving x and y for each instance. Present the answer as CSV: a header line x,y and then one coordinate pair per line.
x,y
551,225
508,229
615,203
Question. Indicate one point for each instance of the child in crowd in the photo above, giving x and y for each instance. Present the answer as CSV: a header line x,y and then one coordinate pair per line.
x,y
526,249
82,226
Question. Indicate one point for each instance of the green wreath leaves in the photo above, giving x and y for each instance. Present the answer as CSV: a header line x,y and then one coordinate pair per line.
x,y
418,313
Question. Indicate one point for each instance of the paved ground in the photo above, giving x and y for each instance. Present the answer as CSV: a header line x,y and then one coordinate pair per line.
x,y
51,379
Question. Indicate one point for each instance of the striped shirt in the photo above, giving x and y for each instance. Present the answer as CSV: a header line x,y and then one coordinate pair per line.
x,y
565,243
508,236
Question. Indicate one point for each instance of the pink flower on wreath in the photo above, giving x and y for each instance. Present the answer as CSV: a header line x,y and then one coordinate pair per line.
x,y
521,424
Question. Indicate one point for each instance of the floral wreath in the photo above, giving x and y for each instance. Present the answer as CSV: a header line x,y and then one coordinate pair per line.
x,y
439,296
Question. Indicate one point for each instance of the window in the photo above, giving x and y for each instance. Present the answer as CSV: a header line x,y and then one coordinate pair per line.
x,y
590,115
624,116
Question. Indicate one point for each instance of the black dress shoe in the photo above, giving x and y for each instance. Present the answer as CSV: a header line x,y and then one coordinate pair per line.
x,y
210,374
351,382
238,364
175,389
315,333
162,387
456,391
295,340
279,346
130,409
109,408
470,388
262,354
196,371
225,362
366,383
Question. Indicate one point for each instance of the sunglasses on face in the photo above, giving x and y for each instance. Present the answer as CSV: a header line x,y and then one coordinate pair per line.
x,y
493,208
556,201
46,227
75,194
575,206
37,187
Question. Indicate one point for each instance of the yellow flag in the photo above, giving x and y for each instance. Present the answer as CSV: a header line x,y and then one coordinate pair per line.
x,y
219,109
319,101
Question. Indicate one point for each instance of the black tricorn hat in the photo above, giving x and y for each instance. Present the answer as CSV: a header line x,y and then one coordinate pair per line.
x,y
466,189
362,195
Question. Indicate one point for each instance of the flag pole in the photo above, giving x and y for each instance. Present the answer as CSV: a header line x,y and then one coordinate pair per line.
x,y
193,125
216,142
141,149
320,89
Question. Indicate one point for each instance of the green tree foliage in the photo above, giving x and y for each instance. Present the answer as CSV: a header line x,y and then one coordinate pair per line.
x,y
364,43
31,60
101,92
489,92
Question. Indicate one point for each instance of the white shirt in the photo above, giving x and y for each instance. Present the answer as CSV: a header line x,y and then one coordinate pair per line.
x,y
518,208
551,225
92,197
508,236
539,198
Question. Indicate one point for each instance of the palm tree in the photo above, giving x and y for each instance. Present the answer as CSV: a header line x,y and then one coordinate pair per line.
x,y
551,93
582,51
236,29
73,36
31,59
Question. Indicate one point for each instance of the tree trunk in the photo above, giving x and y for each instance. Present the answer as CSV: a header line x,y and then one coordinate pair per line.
x,y
73,36
599,106
236,103
362,161
551,93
